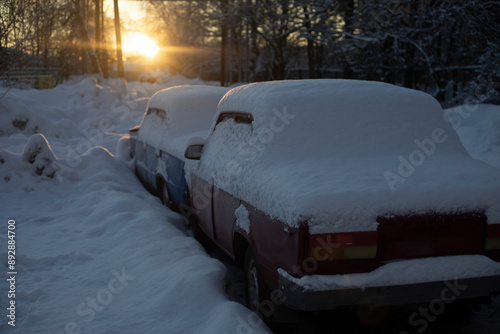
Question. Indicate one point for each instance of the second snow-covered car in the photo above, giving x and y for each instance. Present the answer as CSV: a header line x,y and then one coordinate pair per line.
x,y
343,192
175,117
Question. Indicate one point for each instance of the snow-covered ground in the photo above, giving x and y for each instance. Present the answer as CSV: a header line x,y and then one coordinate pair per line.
x,y
95,252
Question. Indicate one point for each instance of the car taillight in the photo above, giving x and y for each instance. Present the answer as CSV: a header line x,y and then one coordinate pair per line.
x,y
492,238
343,246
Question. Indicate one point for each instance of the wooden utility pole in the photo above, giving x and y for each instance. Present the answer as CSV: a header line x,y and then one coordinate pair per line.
x,y
119,53
97,22
100,53
82,34
223,43
104,50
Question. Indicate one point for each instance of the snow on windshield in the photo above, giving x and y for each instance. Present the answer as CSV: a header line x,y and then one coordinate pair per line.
x,y
187,112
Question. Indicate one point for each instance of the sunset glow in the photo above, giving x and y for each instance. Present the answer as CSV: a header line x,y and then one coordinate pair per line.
x,y
139,43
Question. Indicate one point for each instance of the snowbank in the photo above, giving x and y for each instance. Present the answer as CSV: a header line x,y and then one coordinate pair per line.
x,y
96,253
36,160
479,129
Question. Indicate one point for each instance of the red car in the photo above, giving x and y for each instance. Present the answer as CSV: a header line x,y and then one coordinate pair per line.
x,y
341,192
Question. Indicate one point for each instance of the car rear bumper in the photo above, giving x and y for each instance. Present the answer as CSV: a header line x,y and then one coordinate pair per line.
x,y
319,292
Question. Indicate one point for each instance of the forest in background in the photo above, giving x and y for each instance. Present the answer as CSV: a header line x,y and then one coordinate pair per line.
x,y
446,48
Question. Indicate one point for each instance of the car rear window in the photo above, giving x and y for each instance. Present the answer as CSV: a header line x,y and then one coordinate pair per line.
x,y
158,112
238,117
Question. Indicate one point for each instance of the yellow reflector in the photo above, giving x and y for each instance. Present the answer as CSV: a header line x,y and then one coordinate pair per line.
x,y
327,254
360,252
492,244
344,253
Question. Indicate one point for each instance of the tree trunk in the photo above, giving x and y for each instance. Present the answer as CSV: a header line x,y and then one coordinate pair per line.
x,y
119,54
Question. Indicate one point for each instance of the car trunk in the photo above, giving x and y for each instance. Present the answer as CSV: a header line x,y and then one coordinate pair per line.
x,y
405,237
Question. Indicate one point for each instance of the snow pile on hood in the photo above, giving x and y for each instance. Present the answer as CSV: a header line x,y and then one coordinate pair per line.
x,y
339,153
479,129
186,112
96,252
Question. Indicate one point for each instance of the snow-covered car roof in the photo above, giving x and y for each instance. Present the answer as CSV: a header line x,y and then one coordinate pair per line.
x,y
357,116
339,153
187,113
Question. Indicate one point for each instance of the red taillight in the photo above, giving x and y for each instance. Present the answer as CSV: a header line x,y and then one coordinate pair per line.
x,y
343,246
492,238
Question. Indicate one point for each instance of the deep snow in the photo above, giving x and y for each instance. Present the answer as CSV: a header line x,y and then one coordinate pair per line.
x,y
95,252
478,126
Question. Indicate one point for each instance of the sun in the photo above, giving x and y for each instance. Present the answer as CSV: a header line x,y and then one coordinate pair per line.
x,y
139,43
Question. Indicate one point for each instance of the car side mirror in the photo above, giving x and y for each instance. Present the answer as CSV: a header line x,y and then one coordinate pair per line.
x,y
193,152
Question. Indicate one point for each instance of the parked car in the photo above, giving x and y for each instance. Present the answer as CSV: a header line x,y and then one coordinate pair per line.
x,y
336,193
173,117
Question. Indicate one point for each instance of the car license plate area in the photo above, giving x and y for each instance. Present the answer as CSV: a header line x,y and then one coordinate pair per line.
x,y
430,235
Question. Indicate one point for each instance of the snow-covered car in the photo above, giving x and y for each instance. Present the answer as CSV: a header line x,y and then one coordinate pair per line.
x,y
173,117
342,192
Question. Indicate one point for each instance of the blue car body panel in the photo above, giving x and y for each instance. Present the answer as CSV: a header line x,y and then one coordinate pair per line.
x,y
175,178
152,165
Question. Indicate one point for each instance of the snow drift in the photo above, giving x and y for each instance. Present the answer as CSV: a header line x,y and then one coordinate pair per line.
x,y
479,129
96,252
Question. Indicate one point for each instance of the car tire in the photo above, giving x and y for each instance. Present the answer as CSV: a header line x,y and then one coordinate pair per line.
x,y
164,194
254,285
258,295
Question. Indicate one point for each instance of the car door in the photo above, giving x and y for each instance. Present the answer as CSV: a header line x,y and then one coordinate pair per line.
x,y
176,182
215,206
224,207
149,131
202,203
140,160
152,155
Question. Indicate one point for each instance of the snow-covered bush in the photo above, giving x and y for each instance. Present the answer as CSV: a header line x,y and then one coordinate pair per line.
x,y
38,153
15,117
37,159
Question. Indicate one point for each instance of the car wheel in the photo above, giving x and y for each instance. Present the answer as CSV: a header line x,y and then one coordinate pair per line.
x,y
254,285
164,195
258,296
